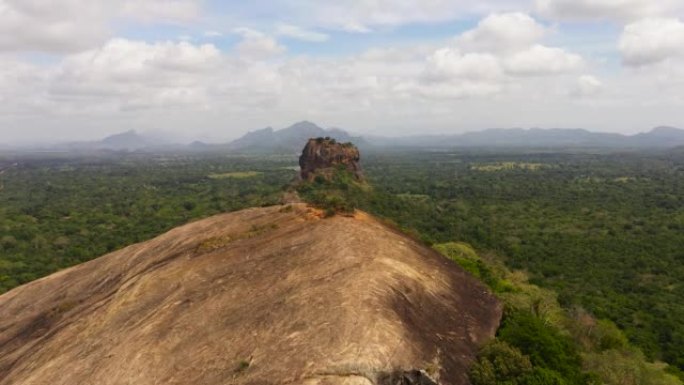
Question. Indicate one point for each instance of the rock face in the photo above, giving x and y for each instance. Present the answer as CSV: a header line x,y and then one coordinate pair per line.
x,y
274,295
322,156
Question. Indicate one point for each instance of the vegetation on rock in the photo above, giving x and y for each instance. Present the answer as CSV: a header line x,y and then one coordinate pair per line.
x,y
323,157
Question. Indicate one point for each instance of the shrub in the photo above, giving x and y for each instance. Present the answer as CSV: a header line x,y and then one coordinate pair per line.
x,y
499,363
545,346
627,367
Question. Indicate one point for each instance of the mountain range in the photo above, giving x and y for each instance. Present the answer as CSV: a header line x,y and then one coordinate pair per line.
x,y
659,137
289,140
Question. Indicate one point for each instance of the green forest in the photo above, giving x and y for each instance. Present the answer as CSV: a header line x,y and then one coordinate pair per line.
x,y
600,235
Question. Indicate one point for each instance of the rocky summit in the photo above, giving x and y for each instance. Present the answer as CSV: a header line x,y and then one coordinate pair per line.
x,y
322,156
275,295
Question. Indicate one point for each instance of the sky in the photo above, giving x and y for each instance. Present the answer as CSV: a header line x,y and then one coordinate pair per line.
x,y
213,70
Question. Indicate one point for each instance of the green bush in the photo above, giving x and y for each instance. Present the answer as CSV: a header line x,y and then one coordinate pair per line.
x,y
338,194
545,346
466,257
542,376
627,367
500,363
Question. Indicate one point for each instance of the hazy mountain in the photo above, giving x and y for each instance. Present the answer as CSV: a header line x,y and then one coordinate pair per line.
x,y
289,139
129,140
659,137
125,141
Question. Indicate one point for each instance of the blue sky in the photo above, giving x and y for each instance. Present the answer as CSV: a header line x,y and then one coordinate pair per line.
x,y
212,70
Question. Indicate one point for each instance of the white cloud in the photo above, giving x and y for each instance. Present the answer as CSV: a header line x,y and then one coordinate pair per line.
x,y
508,63
212,34
503,32
174,11
128,75
366,15
495,58
76,25
446,64
256,45
606,9
541,60
513,42
652,40
295,32
587,85
36,25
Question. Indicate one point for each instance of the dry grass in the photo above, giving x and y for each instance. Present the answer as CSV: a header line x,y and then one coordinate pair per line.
x,y
236,175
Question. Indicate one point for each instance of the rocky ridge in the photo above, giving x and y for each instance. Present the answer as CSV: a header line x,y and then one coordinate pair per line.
x,y
274,295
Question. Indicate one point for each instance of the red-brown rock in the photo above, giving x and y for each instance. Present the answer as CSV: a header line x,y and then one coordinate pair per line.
x,y
322,156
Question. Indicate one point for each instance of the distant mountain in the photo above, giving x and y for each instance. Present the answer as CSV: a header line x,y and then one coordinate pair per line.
x,y
290,139
129,140
659,137
293,138
662,136
126,141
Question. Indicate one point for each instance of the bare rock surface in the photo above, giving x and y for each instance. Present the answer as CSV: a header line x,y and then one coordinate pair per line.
x,y
322,156
273,295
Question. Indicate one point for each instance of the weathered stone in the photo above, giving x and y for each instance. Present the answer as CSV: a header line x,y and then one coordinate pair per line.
x,y
322,156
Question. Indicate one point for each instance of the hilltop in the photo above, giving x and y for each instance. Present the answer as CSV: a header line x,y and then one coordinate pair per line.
x,y
323,156
259,296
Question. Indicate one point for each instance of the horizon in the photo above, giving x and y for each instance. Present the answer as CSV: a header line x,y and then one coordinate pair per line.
x,y
166,139
211,71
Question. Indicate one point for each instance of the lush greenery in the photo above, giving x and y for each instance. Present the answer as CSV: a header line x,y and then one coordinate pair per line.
x,y
56,212
604,231
336,193
539,342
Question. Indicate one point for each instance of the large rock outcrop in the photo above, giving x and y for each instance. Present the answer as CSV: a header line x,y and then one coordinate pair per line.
x,y
272,295
322,156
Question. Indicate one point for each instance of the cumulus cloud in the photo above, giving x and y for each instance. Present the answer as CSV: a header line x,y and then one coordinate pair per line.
x,y
256,45
494,57
76,25
447,63
513,42
452,74
41,26
503,32
541,60
507,63
173,11
587,85
606,9
129,75
651,41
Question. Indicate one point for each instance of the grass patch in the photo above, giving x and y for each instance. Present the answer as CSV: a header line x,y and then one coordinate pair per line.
x,y
236,175
539,342
504,166
241,366
414,197
216,243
